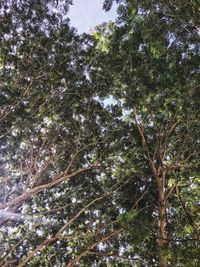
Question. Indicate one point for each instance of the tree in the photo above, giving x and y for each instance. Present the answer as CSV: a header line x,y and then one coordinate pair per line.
x,y
152,61
54,138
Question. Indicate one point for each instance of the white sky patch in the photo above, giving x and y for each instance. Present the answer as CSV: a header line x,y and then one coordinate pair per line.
x,y
86,14
39,232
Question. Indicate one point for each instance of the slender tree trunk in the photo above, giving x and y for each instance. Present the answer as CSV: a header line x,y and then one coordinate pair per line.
x,y
162,243
159,174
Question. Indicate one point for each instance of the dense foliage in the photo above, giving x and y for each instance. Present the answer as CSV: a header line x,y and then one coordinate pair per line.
x,y
99,136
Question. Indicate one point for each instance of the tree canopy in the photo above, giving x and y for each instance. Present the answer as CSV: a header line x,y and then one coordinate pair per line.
x,y
99,136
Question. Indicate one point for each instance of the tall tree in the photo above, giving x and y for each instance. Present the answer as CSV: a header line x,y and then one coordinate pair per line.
x,y
152,60
54,137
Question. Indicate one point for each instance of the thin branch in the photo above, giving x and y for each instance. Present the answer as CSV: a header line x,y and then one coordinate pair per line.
x,y
188,216
60,178
87,250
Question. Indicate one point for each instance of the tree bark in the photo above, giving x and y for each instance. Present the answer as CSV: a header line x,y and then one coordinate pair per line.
x,y
162,243
159,174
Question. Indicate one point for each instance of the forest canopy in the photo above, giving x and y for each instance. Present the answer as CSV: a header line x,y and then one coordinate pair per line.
x,y
100,136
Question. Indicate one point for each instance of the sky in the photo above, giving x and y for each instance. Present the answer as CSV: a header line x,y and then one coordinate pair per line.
x,y
86,14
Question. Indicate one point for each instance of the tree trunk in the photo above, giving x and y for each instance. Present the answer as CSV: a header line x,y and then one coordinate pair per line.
x,y
162,243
